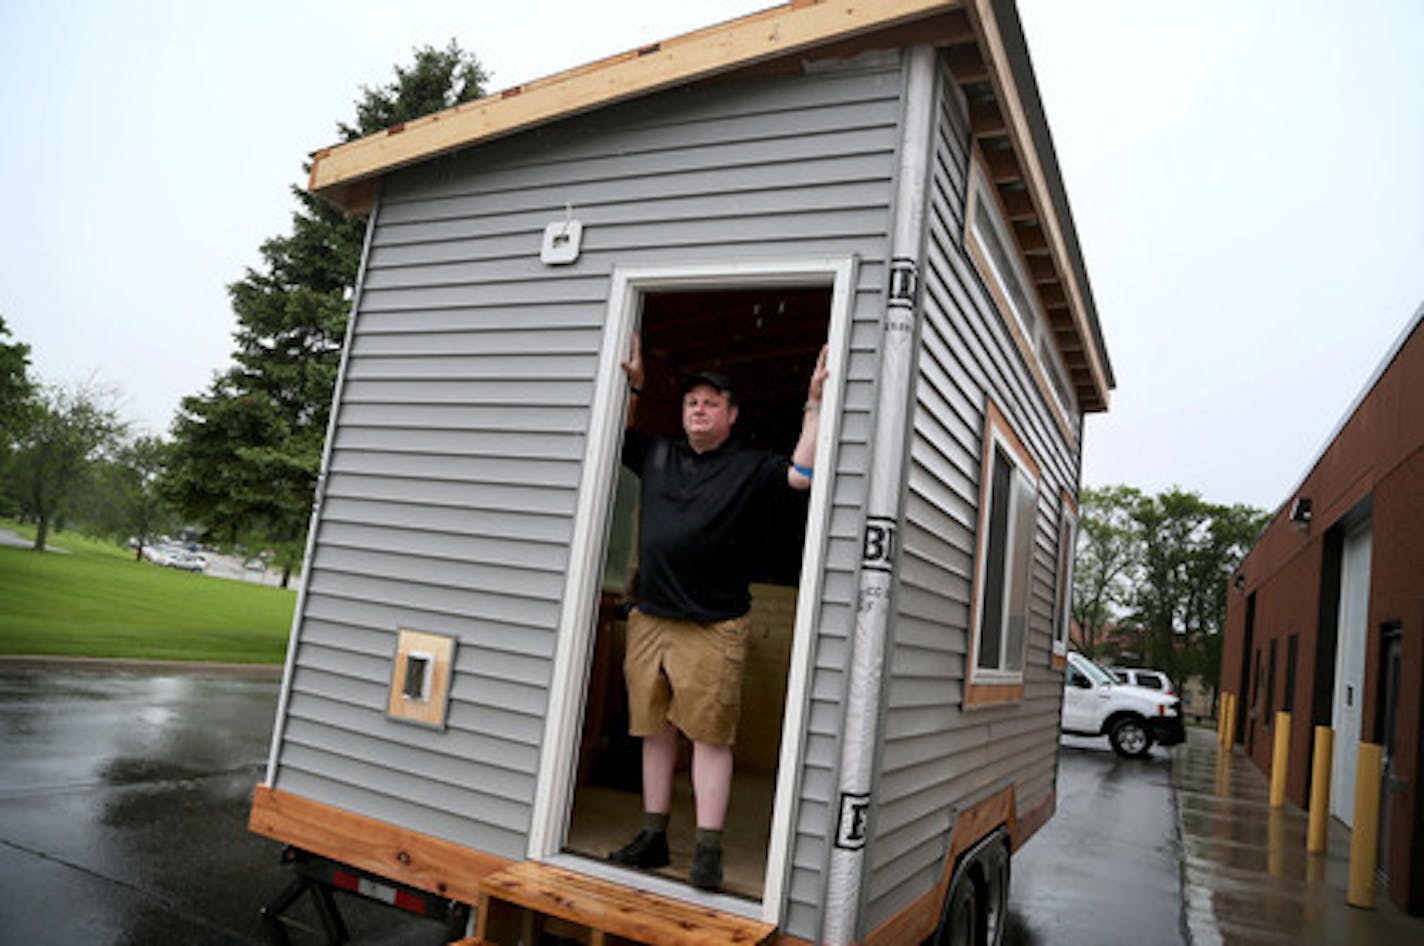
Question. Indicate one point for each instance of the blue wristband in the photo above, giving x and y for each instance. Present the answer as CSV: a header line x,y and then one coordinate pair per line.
x,y
805,471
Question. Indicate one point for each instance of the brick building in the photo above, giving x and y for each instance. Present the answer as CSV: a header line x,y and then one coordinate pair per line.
x,y
1325,616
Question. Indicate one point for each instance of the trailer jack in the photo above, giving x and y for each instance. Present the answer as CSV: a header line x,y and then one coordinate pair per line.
x,y
323,879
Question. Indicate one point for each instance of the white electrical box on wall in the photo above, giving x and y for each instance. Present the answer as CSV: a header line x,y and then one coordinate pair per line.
x,y
561,242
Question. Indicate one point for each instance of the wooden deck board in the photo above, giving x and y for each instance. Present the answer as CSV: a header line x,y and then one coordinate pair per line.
x,y
622,911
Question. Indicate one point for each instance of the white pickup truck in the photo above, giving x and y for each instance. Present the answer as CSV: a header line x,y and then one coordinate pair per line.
x,y
1132,717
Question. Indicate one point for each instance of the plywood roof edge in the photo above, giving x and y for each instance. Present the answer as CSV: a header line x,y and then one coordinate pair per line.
x,y
793,27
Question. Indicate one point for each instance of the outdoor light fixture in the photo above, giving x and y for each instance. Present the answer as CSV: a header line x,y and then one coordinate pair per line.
x,y
1300,513
1239,582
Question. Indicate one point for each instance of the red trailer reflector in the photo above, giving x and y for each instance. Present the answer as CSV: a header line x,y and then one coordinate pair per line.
x,y
339,878
409,901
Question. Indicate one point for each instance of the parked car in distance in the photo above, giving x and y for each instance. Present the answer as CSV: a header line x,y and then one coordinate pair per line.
x,y
1142,677
170,556
188,562
158,555
1132,717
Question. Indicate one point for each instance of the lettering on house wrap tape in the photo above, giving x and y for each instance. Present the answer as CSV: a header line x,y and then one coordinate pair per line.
x,y
878,548
855,809
904,283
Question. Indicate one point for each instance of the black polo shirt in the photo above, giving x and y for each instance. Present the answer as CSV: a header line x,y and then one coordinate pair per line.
x,y
700,521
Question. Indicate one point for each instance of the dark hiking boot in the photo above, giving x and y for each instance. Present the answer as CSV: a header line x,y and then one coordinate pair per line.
x,y
706,867
648,850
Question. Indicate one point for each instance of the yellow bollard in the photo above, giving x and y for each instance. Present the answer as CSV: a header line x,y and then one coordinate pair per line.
x,y
1221,702
1226,701
1315,838
1231,721
1365,835
1280,759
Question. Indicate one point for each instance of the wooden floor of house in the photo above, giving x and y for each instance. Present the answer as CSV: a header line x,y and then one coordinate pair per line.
x,y
606,818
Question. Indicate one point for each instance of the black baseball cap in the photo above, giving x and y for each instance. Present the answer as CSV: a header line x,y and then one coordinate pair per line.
x,y
715,378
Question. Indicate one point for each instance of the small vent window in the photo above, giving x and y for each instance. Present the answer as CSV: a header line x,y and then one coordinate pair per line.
x,y
417,676
1060,386
987,229
992,247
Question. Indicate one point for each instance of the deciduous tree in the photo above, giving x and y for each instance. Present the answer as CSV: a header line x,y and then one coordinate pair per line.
x,y
1190,547
1107,557
70,430
1157,567
1231,532
124,498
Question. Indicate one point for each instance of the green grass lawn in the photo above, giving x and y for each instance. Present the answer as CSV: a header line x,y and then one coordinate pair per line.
x,y
97,601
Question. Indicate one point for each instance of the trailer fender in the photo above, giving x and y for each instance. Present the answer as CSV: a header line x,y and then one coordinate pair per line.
x,y
991,817
976,906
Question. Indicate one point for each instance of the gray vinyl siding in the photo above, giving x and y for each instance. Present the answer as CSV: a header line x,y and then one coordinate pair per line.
x,y
452,483
937,758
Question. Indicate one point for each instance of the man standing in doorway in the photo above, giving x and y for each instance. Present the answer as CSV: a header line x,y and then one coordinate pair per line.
x,y
702,503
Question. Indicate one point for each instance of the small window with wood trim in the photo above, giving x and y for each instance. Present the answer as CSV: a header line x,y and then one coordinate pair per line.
x,y
1063,594
1008,514
420,678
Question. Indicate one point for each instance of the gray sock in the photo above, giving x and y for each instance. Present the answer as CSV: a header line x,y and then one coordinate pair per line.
x,y
712,837
656,822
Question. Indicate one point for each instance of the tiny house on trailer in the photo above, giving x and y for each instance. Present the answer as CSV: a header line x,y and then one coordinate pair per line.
x,y
875,176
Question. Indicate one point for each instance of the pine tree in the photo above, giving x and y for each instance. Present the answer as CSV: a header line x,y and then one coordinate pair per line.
x,y
247,451
17,390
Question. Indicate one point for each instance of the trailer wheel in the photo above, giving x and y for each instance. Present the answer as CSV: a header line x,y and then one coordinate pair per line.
x,y
976,908
1130,738
962,917
995,903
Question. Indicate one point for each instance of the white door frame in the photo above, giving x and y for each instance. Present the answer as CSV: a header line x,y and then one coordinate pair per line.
x,y
1350,641
558,758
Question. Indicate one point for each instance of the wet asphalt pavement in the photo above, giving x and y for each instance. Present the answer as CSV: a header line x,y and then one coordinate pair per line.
x,y
124,795
1106,867
123,812
1246,876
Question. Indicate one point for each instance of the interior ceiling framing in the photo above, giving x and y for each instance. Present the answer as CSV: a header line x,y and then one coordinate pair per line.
x,y
765,340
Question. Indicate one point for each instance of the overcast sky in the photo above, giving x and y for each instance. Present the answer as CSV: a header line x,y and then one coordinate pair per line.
x,y
1247,178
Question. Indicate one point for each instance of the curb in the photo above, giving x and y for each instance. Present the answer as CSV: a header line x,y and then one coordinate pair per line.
x,y
127,663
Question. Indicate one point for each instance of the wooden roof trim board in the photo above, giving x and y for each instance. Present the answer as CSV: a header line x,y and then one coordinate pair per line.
x,y
984,51
769,34
1050,232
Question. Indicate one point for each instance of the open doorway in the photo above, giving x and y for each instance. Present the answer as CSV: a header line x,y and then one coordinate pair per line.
x,y
766,339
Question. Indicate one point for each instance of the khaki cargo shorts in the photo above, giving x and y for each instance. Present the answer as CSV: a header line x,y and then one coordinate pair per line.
x,y
687,674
